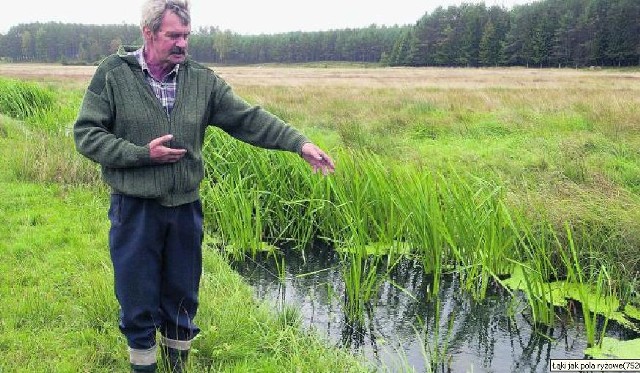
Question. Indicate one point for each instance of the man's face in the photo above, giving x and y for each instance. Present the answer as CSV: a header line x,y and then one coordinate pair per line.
x,y
168,46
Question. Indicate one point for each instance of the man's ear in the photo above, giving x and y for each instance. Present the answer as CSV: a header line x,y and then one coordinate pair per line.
x,y
147,33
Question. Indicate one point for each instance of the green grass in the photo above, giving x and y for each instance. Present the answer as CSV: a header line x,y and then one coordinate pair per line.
x,y
569,153
477,181
21,99
58,309
541,159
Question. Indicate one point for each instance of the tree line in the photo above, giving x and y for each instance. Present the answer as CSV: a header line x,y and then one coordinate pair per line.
x,y
549,33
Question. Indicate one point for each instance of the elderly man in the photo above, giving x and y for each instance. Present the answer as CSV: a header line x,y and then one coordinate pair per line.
x,y
143,119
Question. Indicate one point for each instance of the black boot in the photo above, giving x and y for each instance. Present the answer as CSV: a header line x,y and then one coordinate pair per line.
x,y
173,359
143,368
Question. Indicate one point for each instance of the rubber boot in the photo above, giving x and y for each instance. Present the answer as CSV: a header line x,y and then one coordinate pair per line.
x,y
143,368
173,359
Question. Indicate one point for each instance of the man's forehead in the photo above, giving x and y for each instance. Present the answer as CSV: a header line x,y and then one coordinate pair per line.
x,y
170,19
175,29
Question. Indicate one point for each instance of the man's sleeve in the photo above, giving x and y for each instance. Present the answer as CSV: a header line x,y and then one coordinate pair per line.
x,y
252,124
92,130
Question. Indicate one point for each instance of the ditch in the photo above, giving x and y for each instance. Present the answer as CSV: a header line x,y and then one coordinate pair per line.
x,y
408,328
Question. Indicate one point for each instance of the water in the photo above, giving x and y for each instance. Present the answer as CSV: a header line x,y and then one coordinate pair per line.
x,y
406,330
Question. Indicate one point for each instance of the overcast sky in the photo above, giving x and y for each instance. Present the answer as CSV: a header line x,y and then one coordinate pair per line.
x,y
241,16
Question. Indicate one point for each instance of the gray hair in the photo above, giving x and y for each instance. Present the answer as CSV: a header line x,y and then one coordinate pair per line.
x,y
153,10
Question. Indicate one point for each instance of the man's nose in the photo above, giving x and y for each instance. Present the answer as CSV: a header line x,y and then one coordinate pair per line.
x,y
182,42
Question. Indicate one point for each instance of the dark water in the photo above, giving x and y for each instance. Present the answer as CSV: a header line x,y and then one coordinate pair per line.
x,y
405,330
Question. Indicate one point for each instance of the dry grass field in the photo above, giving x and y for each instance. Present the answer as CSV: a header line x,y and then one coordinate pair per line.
x,y
438,78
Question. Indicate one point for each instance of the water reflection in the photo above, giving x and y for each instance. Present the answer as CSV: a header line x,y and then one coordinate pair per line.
x,y
410,329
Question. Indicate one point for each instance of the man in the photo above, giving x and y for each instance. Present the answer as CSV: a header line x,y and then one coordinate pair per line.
x,y
143,119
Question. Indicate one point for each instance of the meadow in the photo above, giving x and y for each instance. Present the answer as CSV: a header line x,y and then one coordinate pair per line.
x,y
524,178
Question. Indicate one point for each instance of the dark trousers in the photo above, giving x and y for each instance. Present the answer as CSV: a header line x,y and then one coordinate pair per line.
x,y
157,260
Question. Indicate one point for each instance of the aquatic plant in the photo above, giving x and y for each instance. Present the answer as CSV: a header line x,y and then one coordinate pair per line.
x,y
593,288
237,215
361,283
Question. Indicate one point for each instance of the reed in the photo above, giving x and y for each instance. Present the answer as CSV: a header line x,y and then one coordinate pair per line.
x,y
423,220
482,236
539,294
286,198
593,287
535,266
452,221
436,353
353,228
373,213
557,271
361,283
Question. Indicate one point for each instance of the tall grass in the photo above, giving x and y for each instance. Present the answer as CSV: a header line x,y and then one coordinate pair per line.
x,y
42,158
423,218
367,208
361,282
593,285
375,213
538,268
21,100
47,153
238,217
482,237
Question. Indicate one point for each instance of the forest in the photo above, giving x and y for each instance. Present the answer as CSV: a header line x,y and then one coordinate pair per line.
x,y
548,33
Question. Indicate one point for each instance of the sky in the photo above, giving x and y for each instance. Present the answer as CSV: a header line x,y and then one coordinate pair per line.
x,y
248,17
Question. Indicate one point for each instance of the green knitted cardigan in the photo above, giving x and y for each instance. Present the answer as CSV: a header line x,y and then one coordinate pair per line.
x,y
120,115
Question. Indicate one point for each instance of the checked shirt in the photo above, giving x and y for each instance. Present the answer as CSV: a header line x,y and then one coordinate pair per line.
x,y
164,90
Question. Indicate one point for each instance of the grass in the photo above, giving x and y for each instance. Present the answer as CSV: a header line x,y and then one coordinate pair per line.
x,y
566,151
21,99
549,154
477,173
59,311
53,314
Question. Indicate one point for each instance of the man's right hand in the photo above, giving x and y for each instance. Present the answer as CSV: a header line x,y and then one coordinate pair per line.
x,y
160,153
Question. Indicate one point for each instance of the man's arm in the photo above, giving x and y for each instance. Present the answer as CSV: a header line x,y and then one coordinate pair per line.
x,y
252,124
92,130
